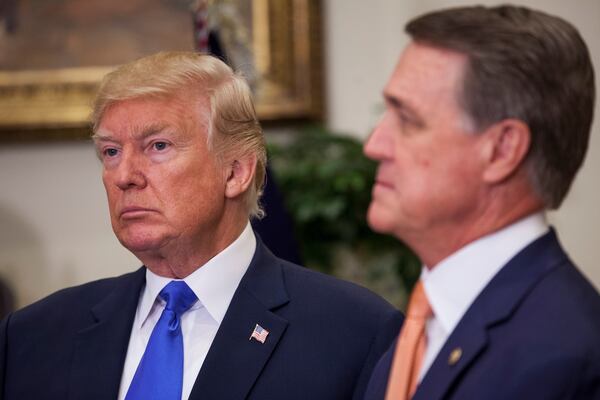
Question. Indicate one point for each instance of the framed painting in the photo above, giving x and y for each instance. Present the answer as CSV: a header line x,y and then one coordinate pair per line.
x,y
53,54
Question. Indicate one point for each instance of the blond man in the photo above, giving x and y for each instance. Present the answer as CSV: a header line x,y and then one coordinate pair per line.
x,y
212,314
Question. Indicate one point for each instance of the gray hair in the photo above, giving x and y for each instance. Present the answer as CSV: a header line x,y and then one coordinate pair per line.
x,y
527,65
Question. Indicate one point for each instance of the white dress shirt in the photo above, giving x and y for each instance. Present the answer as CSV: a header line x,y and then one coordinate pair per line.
x,y
214,284
454,283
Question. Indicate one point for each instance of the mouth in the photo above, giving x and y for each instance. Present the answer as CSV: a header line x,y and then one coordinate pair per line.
x,y
134,212
383,184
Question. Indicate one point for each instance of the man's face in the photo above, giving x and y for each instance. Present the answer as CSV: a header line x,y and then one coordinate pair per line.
x,y
163,184
428,159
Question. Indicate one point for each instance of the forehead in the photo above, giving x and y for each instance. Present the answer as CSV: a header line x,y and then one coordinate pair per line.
x,y
135,117
425,73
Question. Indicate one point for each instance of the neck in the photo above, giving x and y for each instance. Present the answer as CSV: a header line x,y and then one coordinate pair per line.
x,y
179,259
434,245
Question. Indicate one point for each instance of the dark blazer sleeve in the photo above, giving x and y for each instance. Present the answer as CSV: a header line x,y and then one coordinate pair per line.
x,y
3,349
70,345
378,383
389,330
589,385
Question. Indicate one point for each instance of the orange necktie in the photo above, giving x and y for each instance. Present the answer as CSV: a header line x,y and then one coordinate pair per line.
x,y
410,348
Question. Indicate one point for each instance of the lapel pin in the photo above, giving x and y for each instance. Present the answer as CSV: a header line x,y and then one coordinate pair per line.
x,y
455,356
259,334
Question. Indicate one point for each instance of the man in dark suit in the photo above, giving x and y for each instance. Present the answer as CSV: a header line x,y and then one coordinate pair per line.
x,y
487,122
212,314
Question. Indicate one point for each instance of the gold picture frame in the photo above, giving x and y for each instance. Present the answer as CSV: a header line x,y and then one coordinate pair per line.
x,y
286,44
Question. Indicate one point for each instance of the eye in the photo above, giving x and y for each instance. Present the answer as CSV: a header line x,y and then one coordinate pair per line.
x,y
110,152
160,146
409,120
404,115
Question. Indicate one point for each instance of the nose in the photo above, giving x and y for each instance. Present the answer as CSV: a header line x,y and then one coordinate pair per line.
x,y
129,174
379,145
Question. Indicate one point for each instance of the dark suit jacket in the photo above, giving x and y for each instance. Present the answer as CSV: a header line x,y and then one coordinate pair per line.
x,y
325,336
532,333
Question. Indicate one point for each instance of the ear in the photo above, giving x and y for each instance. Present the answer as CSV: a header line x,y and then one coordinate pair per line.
x,y
507,145
240,172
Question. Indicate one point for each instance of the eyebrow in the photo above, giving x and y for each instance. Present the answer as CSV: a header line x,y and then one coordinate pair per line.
x,y
401,105
142,133
395,102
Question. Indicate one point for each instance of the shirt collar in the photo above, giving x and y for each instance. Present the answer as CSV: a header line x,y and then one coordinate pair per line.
x,y
214,283
455,282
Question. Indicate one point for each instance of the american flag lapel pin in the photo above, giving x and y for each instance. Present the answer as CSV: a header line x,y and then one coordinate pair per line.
x,y
259,334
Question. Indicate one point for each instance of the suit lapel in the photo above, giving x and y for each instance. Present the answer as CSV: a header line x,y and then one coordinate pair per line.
x,y
234,362
101,346
496,304
470,339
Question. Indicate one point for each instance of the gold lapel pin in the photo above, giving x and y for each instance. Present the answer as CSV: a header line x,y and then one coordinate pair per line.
x,y
455,356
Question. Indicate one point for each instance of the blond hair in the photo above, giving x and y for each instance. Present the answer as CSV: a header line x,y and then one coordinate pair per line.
x,y
233,128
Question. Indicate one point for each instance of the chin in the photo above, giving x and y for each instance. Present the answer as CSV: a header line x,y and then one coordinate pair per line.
x,y
141,241
378,221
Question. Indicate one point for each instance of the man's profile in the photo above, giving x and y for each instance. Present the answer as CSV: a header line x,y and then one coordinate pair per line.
x,y
487,122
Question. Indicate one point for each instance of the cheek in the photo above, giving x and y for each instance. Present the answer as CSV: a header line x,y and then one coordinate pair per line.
x,y
111,197
196,192
107,181
424,163
418,171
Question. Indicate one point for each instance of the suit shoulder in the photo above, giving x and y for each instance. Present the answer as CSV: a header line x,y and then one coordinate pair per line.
x,y
558,316
568,291
84,295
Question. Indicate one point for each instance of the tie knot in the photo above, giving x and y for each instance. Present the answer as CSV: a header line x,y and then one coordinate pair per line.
x,y
179,297
418,306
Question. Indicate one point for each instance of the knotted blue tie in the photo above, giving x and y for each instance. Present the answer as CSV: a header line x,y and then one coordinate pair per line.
x,y
160,373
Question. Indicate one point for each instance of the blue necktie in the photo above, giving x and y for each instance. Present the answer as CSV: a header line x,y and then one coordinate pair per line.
x,y
160,373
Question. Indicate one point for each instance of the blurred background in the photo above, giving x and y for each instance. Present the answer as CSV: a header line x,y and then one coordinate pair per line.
x,y
318,86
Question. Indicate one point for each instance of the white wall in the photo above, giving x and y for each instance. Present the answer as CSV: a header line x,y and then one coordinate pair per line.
x,y
364,40
54,225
